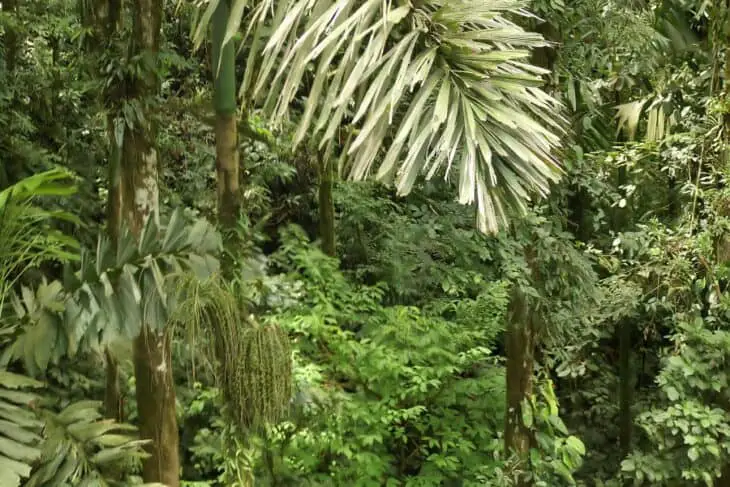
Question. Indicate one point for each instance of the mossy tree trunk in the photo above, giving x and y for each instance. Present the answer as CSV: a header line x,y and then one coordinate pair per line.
x,y
139,198
102,18
522,339
520,348
226,123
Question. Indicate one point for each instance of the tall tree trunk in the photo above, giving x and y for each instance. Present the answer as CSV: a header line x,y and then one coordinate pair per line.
x,y
626,372
521,336
520,346
626,387
100,19
326,206
623,330
226,129
155,388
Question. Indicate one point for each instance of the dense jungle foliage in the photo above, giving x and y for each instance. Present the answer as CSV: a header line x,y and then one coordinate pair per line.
x,y
364,243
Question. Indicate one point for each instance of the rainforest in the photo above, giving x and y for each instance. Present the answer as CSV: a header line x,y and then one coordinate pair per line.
x,y
364,243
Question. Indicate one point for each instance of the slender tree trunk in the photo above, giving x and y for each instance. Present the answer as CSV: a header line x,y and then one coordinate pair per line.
x,y
226,129
623,330
521,336
626,381
155,388
99,19
113,405
520,343
327,207
155,392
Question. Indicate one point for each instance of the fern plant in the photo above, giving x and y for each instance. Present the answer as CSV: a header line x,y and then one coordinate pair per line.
x,y
82,449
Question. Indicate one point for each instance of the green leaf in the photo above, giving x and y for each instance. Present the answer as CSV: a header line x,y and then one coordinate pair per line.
x,y
693,454
527,418
576,445
672,393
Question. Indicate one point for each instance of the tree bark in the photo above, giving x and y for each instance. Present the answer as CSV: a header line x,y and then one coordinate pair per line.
x,y
113,405
99,19
520,346
155,388
155,392
327,207
226,148
226,126
522,333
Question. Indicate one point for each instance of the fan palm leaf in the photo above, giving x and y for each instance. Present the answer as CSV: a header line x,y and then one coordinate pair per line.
x,y
431,87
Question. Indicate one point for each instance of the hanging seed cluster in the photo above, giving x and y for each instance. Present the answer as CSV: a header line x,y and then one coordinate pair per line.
x,y
254,361
261,389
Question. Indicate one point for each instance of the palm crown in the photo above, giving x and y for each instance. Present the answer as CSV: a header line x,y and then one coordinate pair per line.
x,y
429,85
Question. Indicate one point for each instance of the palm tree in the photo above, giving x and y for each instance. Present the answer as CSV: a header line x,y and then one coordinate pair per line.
x,y
226,127
430,86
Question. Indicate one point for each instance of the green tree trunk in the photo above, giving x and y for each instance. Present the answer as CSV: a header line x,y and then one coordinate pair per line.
x,y
226,129
155,387
113,404
326,206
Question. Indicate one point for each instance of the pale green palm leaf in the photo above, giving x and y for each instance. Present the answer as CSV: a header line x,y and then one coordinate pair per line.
x,y
432,87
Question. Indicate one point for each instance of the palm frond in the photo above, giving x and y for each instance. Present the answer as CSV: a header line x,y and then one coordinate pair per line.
x,y
19,428
27,238
82,448
432,87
